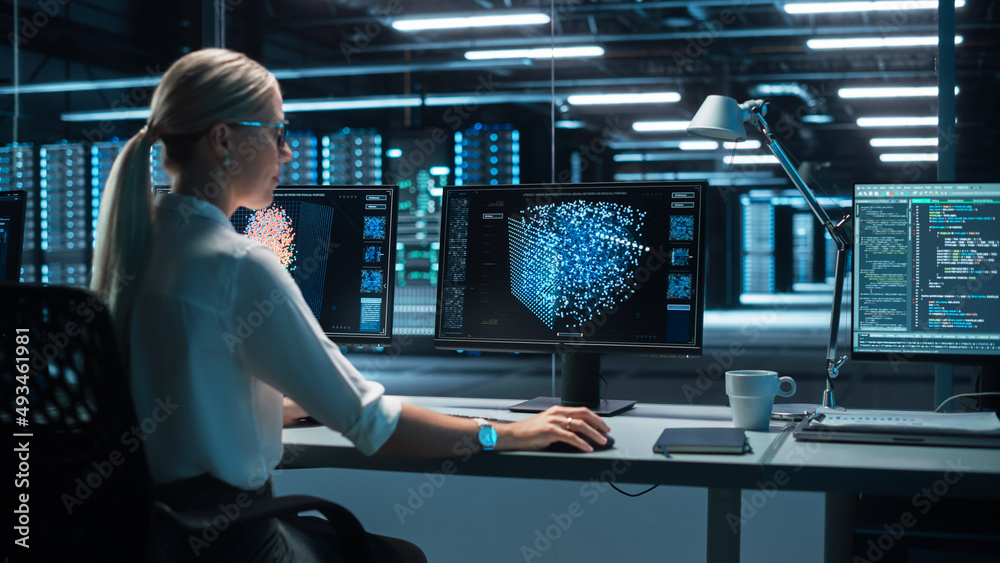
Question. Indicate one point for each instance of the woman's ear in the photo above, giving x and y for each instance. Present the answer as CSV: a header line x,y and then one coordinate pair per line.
x,y
220,140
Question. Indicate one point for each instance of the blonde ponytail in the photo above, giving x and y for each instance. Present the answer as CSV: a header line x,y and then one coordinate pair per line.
x,y
123,226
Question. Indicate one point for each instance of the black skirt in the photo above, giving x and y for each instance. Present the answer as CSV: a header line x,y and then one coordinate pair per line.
x,y
288,539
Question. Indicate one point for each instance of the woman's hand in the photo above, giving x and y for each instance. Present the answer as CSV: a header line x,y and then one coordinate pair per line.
x,y
557,424
426,433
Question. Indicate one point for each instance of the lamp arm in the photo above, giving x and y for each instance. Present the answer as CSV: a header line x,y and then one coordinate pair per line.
x,y
833,363
836,232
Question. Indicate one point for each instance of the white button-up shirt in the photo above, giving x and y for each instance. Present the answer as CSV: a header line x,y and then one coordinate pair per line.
x,y
218,332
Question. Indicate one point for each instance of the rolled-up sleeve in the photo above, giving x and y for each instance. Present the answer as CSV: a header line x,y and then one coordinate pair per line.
x,y
278,340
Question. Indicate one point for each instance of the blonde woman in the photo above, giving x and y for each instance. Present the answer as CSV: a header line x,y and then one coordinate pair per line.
x,y
178,278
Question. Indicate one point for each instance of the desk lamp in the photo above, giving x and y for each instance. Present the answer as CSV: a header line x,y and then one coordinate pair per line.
x,y
722,119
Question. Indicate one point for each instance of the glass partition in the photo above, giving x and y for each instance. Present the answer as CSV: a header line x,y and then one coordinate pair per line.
x,y
424,95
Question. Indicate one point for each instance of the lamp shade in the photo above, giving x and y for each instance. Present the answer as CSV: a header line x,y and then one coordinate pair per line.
x,y
719,118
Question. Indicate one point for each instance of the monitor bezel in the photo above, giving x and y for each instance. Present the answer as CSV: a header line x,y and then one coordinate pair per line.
x,y
368,340
977,359
17,250
561,346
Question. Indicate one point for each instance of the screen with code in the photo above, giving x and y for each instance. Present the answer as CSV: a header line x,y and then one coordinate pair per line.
x,y
925,272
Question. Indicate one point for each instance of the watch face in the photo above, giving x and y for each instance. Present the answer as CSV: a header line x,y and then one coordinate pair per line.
x,y
487,437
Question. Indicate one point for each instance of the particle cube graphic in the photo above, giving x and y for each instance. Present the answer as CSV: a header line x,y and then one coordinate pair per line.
x,y
570,261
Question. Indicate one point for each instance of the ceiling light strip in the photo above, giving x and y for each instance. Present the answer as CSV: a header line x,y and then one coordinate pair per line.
x,y
891,92
698,145
909,157
841,7
646,126
369,70
627,98
904,142
340,104
729,179
82,85
106,115
877,42
897,121
292,106
751,159
537,53
437,100
463,22
745,145
665,156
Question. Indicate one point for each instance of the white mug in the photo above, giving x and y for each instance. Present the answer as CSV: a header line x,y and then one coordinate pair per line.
x,y
751,396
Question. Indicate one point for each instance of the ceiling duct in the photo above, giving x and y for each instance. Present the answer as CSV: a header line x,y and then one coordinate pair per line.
x,y
815,103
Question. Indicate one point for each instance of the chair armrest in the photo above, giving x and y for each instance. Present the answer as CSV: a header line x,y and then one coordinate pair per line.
x,y
349,530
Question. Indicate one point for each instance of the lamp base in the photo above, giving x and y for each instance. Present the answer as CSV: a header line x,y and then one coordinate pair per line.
x,y
792,411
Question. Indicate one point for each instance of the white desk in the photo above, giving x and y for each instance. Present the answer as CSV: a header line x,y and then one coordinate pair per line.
x,y
778,462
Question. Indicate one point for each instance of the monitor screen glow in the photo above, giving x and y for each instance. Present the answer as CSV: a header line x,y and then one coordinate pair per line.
x,y
926,273
339,245
605,268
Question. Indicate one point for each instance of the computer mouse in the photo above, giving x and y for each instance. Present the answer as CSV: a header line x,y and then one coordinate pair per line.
x,y
307,422
563,447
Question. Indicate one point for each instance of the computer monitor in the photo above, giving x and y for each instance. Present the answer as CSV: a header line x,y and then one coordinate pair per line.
x,y
12,209
339,245
926,273
577,270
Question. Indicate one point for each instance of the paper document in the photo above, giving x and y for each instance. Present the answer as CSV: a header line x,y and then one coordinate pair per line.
x,y
963,421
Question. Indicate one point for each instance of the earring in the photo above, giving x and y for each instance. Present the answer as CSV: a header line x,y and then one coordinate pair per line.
x,y
225,160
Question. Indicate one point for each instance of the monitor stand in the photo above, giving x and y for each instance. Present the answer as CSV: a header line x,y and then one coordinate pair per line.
x,y
581,387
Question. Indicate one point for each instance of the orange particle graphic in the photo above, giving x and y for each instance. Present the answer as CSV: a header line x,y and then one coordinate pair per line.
x,y
273,228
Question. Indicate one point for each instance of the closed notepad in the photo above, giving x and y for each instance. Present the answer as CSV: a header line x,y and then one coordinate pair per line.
x,y
702,441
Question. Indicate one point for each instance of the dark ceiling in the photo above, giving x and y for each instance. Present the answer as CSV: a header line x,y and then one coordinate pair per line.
x,y
745,49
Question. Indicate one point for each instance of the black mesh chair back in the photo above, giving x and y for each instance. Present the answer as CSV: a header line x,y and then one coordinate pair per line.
x,y
64,399
90,489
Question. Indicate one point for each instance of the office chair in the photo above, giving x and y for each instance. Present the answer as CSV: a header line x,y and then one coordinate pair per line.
x,y
88,473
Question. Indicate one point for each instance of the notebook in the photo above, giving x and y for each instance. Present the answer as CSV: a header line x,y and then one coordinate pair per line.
x,y
702,441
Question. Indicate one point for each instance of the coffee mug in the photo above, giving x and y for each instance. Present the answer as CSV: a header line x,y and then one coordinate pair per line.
x,y
751,396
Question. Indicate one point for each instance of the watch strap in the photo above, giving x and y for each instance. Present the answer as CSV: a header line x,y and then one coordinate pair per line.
x,y
483,423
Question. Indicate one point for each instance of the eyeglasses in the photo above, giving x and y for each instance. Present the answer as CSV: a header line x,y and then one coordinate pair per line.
x,y
281,127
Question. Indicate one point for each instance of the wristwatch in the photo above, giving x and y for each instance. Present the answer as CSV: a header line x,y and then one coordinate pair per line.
x,y
487,435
